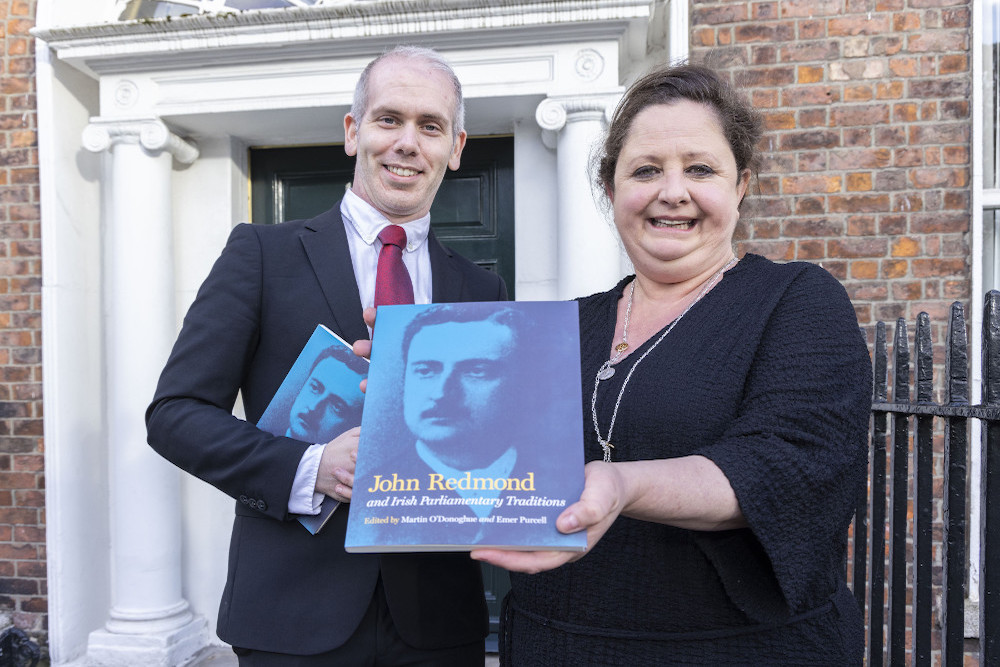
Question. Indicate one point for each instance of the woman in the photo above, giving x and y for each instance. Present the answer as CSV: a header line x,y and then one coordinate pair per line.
x,y
726,409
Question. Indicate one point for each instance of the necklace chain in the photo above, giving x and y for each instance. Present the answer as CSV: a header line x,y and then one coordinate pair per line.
x,y
607,370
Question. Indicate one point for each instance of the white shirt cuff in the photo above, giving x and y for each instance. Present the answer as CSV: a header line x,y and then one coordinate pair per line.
x,y
304,499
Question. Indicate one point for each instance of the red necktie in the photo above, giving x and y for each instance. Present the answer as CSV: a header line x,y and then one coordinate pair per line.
x,y
392,280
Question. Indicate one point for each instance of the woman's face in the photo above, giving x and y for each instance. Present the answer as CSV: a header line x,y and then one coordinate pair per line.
x,y
677,192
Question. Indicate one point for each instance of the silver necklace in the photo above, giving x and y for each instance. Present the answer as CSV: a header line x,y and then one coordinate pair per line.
x,y
606,370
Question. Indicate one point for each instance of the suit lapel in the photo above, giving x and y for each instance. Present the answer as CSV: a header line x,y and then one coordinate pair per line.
x,y
325,243
446,279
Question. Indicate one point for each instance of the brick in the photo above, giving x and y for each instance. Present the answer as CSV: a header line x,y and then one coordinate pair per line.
x,y
954,110
704,37
861,225
768,77
939,88
718,14
850,248
812,118
859,203
938,178
859,182
937,41
812,160
18,551
870,24
959,17
810,249
766,54
809,74
907,291
906,22
815,50
895,268
892,90
938,267
813,227
905,247
905,112
956,200
810,205
890,180
866,291
867,114
858,158
836,268
864,269
810,8
809,139
939,223
764,32
807,184
953,64
812,29
782,120
859,93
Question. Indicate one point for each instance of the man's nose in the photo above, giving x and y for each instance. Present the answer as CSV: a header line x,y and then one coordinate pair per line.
x,y
406,140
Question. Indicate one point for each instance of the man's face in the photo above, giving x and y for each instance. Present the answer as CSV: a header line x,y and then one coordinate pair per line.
x,y
318,414
404,143
456,388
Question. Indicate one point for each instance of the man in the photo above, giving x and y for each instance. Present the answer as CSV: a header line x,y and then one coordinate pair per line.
x,y
292,598
330,399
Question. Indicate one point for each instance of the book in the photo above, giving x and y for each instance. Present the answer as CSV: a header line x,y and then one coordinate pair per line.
x,y
472,434
319,399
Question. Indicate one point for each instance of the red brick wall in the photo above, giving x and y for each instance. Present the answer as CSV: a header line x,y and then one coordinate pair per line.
x,y
22,483
868,154
867,103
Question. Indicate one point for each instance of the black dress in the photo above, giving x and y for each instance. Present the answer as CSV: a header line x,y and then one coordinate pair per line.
x,y
770,378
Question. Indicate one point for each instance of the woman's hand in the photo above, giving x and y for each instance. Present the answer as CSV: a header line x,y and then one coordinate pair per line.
x,y
598,507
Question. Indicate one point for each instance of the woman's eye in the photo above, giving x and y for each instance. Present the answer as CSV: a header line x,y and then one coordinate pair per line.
x,y
645,172
701,170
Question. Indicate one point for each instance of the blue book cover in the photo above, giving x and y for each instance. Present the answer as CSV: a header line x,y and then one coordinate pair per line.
x,y
319,399
472,434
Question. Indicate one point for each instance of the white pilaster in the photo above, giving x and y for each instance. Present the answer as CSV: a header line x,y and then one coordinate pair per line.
x,y
588,248
149,622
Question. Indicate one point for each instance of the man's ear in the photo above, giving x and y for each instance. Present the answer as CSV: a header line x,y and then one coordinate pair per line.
x,y
350,135
456,151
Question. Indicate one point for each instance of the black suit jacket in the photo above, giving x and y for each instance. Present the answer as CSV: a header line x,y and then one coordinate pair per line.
x,y
288,591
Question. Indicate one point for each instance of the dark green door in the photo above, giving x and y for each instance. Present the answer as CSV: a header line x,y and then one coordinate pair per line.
x,y
473,213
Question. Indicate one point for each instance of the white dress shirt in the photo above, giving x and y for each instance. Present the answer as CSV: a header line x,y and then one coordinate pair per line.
x,y
363,224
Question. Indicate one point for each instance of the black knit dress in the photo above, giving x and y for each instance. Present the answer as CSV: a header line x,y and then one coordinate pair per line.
x,y
769,377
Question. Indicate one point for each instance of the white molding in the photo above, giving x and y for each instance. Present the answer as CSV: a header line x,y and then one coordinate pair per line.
x,y
350,29
151,133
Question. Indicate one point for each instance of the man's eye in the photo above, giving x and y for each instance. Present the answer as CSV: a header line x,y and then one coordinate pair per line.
x,y
422,370
315,386
432,128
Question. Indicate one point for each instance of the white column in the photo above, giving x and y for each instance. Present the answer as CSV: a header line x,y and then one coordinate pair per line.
x,y
150,622
589,251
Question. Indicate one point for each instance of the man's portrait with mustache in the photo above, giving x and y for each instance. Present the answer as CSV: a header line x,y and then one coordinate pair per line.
x,y
459,384
330,399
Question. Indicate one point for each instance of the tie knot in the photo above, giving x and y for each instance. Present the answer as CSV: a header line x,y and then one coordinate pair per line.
x,y
393,235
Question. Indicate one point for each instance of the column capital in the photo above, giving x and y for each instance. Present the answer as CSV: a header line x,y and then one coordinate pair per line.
x,y
553,113
150,133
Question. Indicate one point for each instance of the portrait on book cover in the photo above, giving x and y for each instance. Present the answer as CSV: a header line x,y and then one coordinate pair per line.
x,y
474,391
320,397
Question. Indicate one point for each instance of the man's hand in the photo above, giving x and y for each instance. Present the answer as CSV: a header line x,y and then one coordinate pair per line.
x,y
598,507
335,477
363,348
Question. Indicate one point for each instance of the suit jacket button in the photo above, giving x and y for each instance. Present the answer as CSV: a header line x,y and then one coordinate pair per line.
x,y
261,505
244,500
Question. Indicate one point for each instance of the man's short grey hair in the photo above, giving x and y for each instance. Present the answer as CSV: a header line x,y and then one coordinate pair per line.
x,y
437,62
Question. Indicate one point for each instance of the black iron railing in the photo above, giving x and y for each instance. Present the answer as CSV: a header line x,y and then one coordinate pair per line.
x,y
894,599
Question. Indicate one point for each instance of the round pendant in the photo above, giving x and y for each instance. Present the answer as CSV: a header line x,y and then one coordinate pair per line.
x,y
605,373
